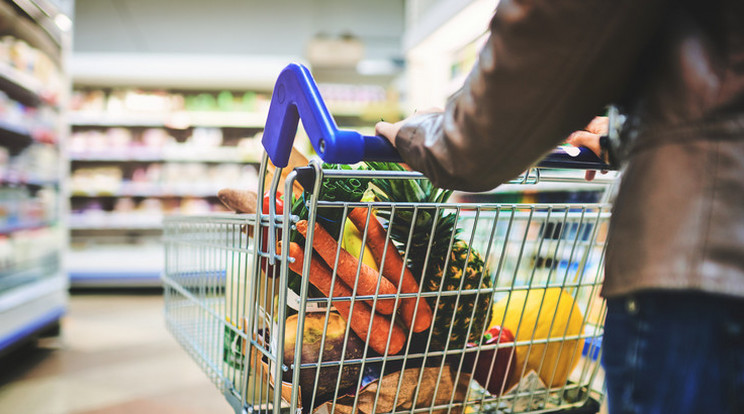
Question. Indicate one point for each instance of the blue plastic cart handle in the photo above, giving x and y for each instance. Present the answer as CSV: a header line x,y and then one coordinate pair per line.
x,y
296,97
576,158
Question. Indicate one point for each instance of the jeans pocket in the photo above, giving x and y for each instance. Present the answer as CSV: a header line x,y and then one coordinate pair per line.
x,y
733,337
613,359
619,326
620,359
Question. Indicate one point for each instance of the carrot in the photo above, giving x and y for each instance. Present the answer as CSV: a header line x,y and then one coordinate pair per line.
x,y
347,267
322,277
376,239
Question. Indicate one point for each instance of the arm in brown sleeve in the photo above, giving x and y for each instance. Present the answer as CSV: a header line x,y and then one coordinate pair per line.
x,y
547,68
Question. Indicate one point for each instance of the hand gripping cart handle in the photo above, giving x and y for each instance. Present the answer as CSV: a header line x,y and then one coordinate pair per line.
x,y
296,97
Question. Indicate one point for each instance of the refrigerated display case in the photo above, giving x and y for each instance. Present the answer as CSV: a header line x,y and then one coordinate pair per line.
x,y
33,286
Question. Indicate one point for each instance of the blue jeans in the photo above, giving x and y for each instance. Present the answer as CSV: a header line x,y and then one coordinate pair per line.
x,y
674,353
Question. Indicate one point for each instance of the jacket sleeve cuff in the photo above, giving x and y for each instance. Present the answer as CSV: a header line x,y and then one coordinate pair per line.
x,y
411,142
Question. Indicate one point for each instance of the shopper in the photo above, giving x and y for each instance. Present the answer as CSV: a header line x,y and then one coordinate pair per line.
x,y
674,334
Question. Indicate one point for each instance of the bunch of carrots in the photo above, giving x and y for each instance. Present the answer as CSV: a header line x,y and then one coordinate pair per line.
x,y
373,325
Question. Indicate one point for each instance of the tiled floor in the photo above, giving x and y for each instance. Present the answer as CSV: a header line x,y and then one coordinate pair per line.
x,y
114,356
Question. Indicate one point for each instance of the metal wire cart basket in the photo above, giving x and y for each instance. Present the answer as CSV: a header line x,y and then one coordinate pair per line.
x,y
366,289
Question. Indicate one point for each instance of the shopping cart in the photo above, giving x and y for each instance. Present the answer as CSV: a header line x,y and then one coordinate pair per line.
x,y
512,289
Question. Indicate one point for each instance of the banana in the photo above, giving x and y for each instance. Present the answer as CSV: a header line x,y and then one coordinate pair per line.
x,y
352,243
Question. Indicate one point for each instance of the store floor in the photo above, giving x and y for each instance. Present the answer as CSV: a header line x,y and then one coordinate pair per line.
x,y
114,356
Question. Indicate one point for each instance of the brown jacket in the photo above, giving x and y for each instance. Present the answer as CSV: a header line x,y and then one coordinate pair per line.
x,y
678,68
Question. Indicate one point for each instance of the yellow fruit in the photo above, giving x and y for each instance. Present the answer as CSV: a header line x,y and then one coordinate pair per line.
x,y
550,313
352,243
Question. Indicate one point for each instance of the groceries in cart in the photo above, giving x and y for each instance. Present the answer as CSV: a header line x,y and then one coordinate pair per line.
x,y
407,281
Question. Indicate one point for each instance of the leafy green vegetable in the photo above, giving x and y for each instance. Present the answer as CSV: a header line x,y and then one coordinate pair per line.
x,y
332,189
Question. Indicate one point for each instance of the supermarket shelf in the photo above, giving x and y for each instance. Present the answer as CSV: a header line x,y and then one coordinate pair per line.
x,y
14,137
17,136
175,120
202,155
33,182
16,227
146,189
116,265
115,279
21,86
114,226
144,194
31,308
116,222
150,191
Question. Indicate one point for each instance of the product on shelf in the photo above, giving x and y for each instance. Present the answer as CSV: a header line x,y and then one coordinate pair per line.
x,y
96,181
136,212
206,137
37,122
124,144
37,164
352,96
22,207
46,79
88,101
136,101
21,248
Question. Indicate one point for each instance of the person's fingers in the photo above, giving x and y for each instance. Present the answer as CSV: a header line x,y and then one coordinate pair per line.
x,y
599,125
589,138
387,130
382,128
585,139
390,131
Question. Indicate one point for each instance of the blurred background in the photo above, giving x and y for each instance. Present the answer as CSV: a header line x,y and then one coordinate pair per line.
x,y
117,113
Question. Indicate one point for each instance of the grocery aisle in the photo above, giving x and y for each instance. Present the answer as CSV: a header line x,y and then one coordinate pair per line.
x,y
115,356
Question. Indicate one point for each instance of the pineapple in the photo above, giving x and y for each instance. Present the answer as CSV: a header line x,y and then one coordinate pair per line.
x,y
465,267
464,272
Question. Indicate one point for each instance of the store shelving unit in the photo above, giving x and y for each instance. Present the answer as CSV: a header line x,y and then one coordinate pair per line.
x,y
151,155
33,285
